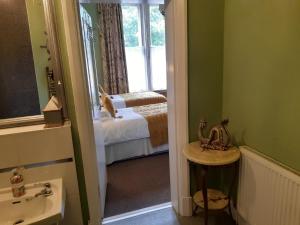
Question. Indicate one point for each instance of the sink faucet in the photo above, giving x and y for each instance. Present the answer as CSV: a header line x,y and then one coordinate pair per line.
x,y
44,192
17,183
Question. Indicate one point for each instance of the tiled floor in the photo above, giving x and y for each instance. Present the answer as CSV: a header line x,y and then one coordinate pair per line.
x,y
169,217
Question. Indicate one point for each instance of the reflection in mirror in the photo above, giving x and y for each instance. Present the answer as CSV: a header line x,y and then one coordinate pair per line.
x,y
26,78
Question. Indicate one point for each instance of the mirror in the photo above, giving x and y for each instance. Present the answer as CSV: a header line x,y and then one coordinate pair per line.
x,y
29,61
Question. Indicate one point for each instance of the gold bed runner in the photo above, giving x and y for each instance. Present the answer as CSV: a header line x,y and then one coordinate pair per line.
x,y
157,118
142,98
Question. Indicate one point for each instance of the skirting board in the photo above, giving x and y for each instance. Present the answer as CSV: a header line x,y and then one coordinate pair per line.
x,y
187,206
135,213
237,217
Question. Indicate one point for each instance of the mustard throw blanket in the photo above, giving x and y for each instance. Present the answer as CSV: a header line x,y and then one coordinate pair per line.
x,y
142,98
157,118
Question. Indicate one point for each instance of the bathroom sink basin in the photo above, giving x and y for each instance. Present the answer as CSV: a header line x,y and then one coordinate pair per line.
x,y
33,209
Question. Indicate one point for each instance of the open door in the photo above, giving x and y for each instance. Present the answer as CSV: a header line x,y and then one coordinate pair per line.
x,y
87,30
178,103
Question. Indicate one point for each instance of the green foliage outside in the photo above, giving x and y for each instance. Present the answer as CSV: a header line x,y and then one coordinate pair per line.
x,y
157,27
131,26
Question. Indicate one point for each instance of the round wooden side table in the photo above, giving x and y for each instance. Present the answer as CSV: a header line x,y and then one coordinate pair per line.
x,y
210,199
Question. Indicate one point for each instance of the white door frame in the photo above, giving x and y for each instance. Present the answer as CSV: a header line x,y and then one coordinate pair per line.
x,y
177,92
177,74
82,107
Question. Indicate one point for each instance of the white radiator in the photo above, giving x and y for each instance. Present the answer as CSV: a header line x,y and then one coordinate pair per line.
x,y
268,193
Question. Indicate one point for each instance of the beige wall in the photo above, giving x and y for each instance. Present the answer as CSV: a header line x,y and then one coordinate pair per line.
x,y
38,150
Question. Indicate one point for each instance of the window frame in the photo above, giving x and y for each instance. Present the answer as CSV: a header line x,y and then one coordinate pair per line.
x,y
144,17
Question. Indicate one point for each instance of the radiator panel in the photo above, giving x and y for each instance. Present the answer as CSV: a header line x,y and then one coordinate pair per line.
x,y
268,193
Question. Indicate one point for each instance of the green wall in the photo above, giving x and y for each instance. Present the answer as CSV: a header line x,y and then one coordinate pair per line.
x,y
262,76
205,68
205,62
37,27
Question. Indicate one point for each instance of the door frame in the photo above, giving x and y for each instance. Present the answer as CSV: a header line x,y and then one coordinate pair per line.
x,y
177,74
177,92
82,107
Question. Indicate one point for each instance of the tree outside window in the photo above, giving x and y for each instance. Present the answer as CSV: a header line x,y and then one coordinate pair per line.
x,y
130,26
157,26
146,60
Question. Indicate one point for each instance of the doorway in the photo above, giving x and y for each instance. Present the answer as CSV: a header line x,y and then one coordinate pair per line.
x,y
176,18
137,172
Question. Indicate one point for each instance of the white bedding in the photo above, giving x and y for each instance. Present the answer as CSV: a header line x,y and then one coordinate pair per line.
x,y
118,101
131,126
125,138
131,149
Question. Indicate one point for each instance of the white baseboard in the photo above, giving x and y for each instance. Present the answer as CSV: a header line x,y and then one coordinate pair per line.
x,y
136,213
237,217
186,206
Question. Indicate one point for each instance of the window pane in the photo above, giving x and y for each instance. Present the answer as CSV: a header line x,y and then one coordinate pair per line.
x,y
131,26
158,68
158,52
157,26
135,54
136,68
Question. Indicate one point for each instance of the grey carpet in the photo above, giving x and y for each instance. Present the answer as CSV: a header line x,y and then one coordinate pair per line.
x,y
137,183
169,217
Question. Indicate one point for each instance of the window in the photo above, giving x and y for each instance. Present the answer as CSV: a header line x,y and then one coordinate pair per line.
x,y
134,49
158,49
144,35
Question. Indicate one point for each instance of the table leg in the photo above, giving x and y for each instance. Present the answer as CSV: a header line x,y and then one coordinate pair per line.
x,y
204,192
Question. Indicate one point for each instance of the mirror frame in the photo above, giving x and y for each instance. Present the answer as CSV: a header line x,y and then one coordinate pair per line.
x,y
50,19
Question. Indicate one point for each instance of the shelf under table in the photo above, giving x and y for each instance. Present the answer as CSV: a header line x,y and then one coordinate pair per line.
x,y
217,200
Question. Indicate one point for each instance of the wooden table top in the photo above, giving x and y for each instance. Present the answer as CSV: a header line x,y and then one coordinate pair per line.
x,y
193,152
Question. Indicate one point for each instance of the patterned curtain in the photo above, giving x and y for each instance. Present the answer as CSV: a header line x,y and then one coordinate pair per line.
x,y
115,79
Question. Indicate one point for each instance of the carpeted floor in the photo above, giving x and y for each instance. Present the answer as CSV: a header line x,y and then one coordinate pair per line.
x,y
137,183
169,217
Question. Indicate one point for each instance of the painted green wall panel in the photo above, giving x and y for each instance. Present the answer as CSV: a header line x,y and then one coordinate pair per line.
x,y
261,76
205,61
205,68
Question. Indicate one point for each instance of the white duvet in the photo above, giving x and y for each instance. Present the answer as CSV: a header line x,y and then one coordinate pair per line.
x,y
118,101
131,126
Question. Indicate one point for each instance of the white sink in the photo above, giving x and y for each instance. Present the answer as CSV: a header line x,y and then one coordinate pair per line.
x,y
29,209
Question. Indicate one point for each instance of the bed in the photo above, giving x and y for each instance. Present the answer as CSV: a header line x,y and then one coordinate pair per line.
x,y
136,131
137,99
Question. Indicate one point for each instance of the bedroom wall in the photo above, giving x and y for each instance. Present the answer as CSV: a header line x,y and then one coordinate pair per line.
x,y
205,62
91,8
261,76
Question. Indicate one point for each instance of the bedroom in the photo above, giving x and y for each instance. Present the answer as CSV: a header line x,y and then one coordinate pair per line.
x,y
125,58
